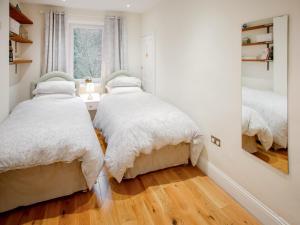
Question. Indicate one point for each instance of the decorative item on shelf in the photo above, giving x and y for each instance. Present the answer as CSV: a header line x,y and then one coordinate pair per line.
x,y
89,87
23,32
11,52
265,54
246,40
249,57
18,8
14,26
88,80
264,37
271,53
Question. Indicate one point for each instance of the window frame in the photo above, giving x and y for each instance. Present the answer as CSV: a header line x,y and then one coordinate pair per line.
x,y
72,26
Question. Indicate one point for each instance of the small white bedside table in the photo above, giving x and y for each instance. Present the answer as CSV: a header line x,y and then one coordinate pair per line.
x,y
91,104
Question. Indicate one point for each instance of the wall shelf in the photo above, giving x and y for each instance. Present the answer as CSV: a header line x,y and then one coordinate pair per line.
x,y
258,43
258,27
18,16
256,60
266,26
20,61
18,38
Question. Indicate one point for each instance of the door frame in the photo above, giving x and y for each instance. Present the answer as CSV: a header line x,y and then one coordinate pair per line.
x,y
151,34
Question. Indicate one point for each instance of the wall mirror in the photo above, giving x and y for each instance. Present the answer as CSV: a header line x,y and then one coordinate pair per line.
x,y
264,90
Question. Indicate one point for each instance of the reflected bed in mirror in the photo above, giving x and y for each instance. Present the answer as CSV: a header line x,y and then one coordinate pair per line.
x,y
264,90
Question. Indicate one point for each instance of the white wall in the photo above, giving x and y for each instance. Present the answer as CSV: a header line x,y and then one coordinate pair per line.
x,y
4,74
20,83
198,68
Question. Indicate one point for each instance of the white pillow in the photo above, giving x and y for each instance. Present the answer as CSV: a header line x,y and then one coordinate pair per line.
x,y
124,81
116,74
55,87
123,90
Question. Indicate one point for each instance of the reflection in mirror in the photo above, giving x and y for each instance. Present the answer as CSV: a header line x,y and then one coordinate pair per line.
x,y
264,90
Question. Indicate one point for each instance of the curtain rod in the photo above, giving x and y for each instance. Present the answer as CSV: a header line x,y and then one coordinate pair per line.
x,y
56,12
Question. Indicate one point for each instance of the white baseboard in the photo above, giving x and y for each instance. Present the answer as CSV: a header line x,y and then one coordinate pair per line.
x,y
263,213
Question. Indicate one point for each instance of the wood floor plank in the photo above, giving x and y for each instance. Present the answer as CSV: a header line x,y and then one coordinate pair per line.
x,y
208,206
208,209
276,158
152,202
239,215
84,204
200,210
68,211
11,217
52,212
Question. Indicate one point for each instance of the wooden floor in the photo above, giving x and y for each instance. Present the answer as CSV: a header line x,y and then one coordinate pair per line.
x,y
179,195
276,158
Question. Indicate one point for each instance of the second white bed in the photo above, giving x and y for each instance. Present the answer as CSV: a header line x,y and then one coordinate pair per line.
x,y
143,133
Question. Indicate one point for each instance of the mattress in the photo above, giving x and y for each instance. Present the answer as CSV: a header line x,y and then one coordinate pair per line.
x,y
23,187
168,156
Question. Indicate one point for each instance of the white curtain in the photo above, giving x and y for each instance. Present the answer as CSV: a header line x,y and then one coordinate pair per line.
x,y
55,42
114,52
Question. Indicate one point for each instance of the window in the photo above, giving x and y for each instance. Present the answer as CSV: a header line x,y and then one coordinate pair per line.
x,y
86,51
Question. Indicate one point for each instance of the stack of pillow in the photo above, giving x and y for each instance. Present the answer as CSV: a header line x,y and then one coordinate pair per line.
x,y
124,84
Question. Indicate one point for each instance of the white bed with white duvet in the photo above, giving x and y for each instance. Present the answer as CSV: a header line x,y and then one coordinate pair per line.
x,y
143,133
48,147
264,115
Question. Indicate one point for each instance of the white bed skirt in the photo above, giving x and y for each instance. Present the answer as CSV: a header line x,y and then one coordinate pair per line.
x,y
24,187
168,156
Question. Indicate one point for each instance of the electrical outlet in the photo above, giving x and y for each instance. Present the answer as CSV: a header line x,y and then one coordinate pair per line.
x,y
218,142
215,140
212,139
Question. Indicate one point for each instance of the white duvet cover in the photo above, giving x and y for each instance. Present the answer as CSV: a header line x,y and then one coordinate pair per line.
x,y
135,123
272,108
49,129
253,124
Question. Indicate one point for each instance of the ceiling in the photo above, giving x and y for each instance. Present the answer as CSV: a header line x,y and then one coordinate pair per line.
x,y
138,6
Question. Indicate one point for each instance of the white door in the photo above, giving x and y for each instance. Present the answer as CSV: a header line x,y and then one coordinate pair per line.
x,y
148,63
